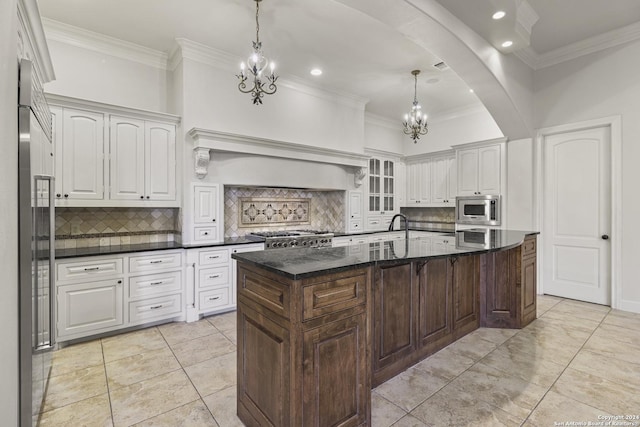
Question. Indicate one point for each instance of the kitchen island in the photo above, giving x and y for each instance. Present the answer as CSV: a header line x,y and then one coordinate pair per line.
x,y
319,327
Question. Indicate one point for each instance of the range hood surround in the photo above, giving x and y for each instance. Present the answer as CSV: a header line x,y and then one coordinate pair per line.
x,y
205,142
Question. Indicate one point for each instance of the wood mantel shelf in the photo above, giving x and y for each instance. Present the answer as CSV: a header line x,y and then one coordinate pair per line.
x,y
318,328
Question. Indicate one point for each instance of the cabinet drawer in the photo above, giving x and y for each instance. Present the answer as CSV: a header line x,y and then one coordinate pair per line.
x,y
154,284
217,276
335,295
155,308
201,234
88,269
155,262
218,256
214,298
529,246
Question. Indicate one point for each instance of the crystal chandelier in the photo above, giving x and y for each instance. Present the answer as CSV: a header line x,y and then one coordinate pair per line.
x,y
415,123
256,65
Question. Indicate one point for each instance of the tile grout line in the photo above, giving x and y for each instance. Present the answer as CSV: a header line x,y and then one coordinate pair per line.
x,y
565,369
106,378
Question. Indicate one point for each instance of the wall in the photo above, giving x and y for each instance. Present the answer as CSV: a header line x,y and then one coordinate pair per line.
x,y
384,134
9,213
86,227
306,116
97,76
603,84
470,125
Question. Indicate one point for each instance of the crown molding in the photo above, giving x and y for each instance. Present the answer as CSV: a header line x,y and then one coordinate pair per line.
x,y
454,113
583,47
383,153
29,19
79,37
477,144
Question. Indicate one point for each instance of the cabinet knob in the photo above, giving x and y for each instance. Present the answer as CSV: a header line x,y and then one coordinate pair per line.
x,y
605,237
66,195
206,233
58,195
119,281
148,197
142,197
214,220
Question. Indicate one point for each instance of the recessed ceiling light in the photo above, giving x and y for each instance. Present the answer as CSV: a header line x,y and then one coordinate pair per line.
x,y
316,72
498,15
470,90
508,43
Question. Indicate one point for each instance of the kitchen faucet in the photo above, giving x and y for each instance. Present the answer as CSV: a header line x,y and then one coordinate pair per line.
x,y
406,224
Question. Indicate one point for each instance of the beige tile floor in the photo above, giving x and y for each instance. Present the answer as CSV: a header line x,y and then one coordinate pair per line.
x,y
577,362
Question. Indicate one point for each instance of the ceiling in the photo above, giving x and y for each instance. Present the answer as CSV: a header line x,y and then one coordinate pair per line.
x,y
358,55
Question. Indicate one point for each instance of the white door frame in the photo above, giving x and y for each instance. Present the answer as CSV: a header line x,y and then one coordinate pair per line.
x,y
614,123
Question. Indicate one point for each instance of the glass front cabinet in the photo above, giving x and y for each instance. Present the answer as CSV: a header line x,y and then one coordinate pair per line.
x,y
382,203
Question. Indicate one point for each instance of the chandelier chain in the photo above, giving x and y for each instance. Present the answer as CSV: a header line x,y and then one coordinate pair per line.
x,y
257,23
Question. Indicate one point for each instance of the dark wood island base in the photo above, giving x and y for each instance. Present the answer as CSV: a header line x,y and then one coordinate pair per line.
x,y
312,346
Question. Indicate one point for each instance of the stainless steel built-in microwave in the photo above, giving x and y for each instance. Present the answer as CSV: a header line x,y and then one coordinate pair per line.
x,y
478,210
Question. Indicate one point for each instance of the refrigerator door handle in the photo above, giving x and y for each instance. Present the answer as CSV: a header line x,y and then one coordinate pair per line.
x,y
52,261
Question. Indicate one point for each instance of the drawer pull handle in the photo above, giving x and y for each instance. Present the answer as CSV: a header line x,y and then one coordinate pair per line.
x,y
154,307
214,276
158,261
214,256
155,283
91,268
213,298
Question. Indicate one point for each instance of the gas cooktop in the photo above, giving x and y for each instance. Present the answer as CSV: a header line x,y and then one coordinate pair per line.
x,y
292,238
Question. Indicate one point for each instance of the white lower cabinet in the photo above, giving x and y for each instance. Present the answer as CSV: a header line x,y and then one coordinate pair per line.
x,y
88,308
214,287
95,295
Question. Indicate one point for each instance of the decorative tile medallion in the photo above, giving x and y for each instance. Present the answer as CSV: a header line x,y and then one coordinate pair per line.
x,y
263,211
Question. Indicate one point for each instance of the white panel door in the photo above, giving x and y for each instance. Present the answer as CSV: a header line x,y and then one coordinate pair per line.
x,y
127,158
425,186
489,170
577,205
83,155
453,182
413,184
355,205
160,161
439,179
205,204
467,172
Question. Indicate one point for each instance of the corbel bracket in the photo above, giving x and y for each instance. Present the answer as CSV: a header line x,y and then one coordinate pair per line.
x,y
359,175
202,161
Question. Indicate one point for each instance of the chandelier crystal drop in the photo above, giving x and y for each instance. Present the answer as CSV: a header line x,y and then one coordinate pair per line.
x,y
415,123
252,75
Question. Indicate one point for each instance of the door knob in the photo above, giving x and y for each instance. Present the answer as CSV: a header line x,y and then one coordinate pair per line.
x,y
605,237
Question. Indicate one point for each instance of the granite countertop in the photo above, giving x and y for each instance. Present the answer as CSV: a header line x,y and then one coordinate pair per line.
x,y
144,247
309,262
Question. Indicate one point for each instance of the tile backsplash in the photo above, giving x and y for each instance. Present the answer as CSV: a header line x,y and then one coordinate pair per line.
x,y
325,212
83,227
443,217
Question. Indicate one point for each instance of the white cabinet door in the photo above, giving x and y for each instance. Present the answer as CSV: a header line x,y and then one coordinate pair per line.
x,y
89,308
355,211
126,144
205,204
160,161
453,181
83,155
489,170
413,184
439,180
56,139
467,172
425,188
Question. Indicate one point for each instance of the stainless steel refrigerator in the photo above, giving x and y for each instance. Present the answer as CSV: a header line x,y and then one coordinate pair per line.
x,y
36,243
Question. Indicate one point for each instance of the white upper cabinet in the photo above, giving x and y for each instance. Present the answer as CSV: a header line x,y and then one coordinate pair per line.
x,y
430,183
127,148
81,145
381,204
480,169
108,159
160,161
418,191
